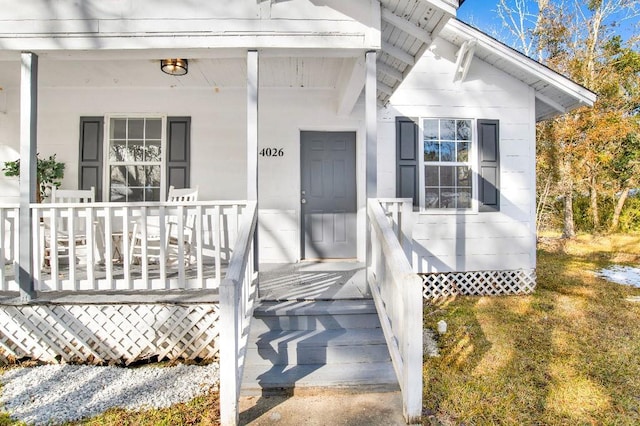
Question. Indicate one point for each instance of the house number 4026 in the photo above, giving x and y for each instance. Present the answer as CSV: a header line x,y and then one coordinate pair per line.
x,y
272,152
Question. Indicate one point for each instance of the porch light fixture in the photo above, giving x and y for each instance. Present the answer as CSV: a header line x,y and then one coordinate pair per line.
x,y
174,66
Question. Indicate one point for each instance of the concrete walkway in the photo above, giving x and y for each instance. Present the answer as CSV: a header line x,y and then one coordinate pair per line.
x,y
324,407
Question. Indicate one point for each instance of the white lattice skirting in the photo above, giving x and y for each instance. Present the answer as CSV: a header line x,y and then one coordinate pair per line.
x,y
109,333
480,283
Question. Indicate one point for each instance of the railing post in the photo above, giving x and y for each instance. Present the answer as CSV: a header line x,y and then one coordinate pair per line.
x,y
406,228
229,415
236,309
412,406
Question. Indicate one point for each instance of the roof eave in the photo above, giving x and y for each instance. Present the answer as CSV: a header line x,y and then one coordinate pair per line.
x,y
581,94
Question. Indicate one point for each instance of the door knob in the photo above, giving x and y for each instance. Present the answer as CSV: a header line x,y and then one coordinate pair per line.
x,y
303,201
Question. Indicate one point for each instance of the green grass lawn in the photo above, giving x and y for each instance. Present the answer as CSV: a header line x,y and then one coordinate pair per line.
x,y
568,354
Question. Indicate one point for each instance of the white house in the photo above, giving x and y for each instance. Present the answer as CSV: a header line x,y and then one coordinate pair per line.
x,y
300,118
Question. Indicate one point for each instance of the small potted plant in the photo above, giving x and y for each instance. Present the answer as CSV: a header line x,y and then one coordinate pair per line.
x,y
49,174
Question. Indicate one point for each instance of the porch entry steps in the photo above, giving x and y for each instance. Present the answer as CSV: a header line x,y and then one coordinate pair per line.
x,y
316,344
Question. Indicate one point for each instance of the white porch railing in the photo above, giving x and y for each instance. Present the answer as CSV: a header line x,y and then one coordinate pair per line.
x,y
399,211
237,297
88,246
9,247
397,293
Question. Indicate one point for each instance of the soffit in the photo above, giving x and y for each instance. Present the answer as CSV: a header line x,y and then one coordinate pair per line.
x,y
401,48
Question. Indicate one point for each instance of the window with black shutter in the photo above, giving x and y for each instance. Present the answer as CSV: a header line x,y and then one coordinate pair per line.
x,y
136,152
442,149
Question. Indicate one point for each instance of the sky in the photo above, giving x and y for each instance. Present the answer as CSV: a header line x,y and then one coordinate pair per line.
x,y
482,15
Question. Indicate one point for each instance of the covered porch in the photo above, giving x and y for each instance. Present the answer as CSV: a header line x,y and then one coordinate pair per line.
x,y
260,76
187,314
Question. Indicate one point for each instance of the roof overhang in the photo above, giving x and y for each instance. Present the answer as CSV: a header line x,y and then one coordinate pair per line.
x,y
555,94
408,28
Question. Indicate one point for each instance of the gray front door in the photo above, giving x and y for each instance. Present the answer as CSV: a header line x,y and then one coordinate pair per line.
x,y
328,171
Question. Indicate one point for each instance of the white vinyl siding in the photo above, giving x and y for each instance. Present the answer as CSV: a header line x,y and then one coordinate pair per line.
x,y
467,240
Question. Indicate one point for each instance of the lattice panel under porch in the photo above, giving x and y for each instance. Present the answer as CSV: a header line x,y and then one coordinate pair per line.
x,y
480,283
109,333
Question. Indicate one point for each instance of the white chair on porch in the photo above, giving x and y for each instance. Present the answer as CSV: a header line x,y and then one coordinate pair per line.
x,y
171,243
63,232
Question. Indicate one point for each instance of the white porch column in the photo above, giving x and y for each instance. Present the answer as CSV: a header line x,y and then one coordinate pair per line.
x,y
252,140
371,122
252,125
371,144
28,164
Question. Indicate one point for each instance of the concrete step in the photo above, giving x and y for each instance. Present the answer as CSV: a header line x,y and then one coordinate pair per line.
x,y
318,347
260,380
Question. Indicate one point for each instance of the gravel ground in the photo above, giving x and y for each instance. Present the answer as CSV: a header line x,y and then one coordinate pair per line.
x,y
429,344
51,394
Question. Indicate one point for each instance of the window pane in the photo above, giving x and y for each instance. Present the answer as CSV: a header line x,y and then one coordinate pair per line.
x,y
463,130
464,177
135,194
118,128
118,151
464,199
135,149
152,176
430,129
463,151
448,130
118,175
153,128
118,183
135,176
118,193
152,152
431,176
447,177
447,198
152,194
447,151
431,198
431,151
136,128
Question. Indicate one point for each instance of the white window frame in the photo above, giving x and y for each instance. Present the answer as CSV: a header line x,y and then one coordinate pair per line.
x,y
107,145
472,163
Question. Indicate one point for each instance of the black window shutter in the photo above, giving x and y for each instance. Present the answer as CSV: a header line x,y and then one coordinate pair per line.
x,y
178,151
407,159
90,167
489,165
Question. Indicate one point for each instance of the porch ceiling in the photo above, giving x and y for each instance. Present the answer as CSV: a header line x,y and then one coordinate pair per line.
x,y
275,71
408,27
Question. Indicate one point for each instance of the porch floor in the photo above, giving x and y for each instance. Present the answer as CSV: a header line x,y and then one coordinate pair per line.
x,y
309,280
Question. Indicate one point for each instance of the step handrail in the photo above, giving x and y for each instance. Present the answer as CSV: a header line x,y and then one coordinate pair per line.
x,y
397,294
237,298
